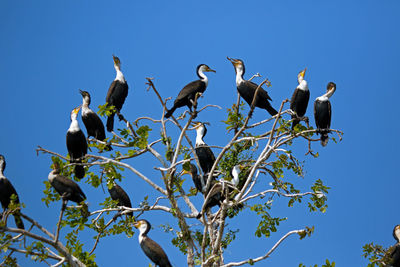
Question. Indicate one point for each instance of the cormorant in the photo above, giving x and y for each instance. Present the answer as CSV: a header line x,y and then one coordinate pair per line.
x,y
118,194
300,97
94,125
117,93
322,113
152,250
76,143
247,89
203,151
6,191
395,254
199,181
68,189
187,95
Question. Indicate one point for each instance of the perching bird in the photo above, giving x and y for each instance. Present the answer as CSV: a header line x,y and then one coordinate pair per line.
x,y
94,125
68,189
300,98
247,89
203,151
323,113
6,191
187,95
119,194
76,143
152,250
395,254
199,181
216,195
117,93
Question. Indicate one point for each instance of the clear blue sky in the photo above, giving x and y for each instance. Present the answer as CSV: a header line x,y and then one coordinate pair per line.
x,y
50,49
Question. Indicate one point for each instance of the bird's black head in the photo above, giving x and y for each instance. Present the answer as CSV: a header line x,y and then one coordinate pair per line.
x,y
143,225
85,95
331,86
237,64
2,163
117,62
396,233
192,170
203,68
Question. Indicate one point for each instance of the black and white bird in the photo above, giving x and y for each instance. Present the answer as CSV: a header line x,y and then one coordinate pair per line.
x,y
94,125
117,93
76,143
187,95
199,181
203,151
119,194
215,195
395,254
323,113
300,98
152,250
68,189
247,89
6,191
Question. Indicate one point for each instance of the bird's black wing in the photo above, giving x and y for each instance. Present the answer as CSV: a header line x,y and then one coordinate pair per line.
x,y
94,125
63,185
190,90
110,91
329,114
155,253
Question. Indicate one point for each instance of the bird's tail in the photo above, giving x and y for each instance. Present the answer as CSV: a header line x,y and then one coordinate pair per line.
x,y
110,123
324,138
18,221
169,112
271,110
295,121
79,170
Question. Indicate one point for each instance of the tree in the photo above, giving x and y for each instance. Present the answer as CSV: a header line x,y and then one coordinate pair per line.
x,y
264,156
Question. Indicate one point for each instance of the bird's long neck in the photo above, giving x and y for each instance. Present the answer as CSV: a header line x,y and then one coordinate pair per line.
x,y
52,175
302,85
199,136
119,76
2,167
327,95
202,76
74,126
239,76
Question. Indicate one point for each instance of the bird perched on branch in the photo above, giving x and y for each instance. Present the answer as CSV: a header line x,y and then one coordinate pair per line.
x,y
152,250
76,143
94,125
203,151
247,89
6,191
395,253
119,194
117,93
300,98
187,95
67,189
323,113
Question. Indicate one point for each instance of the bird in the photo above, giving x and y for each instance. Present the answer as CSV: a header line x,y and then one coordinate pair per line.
x,y
323,113
6,191
116,94
119,194
76,143
247,89
215,194
187,95
94,125
152,250
395,254
203,151
300,98
68,189
199,181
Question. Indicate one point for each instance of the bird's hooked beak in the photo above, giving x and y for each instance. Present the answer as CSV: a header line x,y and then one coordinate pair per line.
x,y
76,110
303,72
208,69
234,61
136,224
116,60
